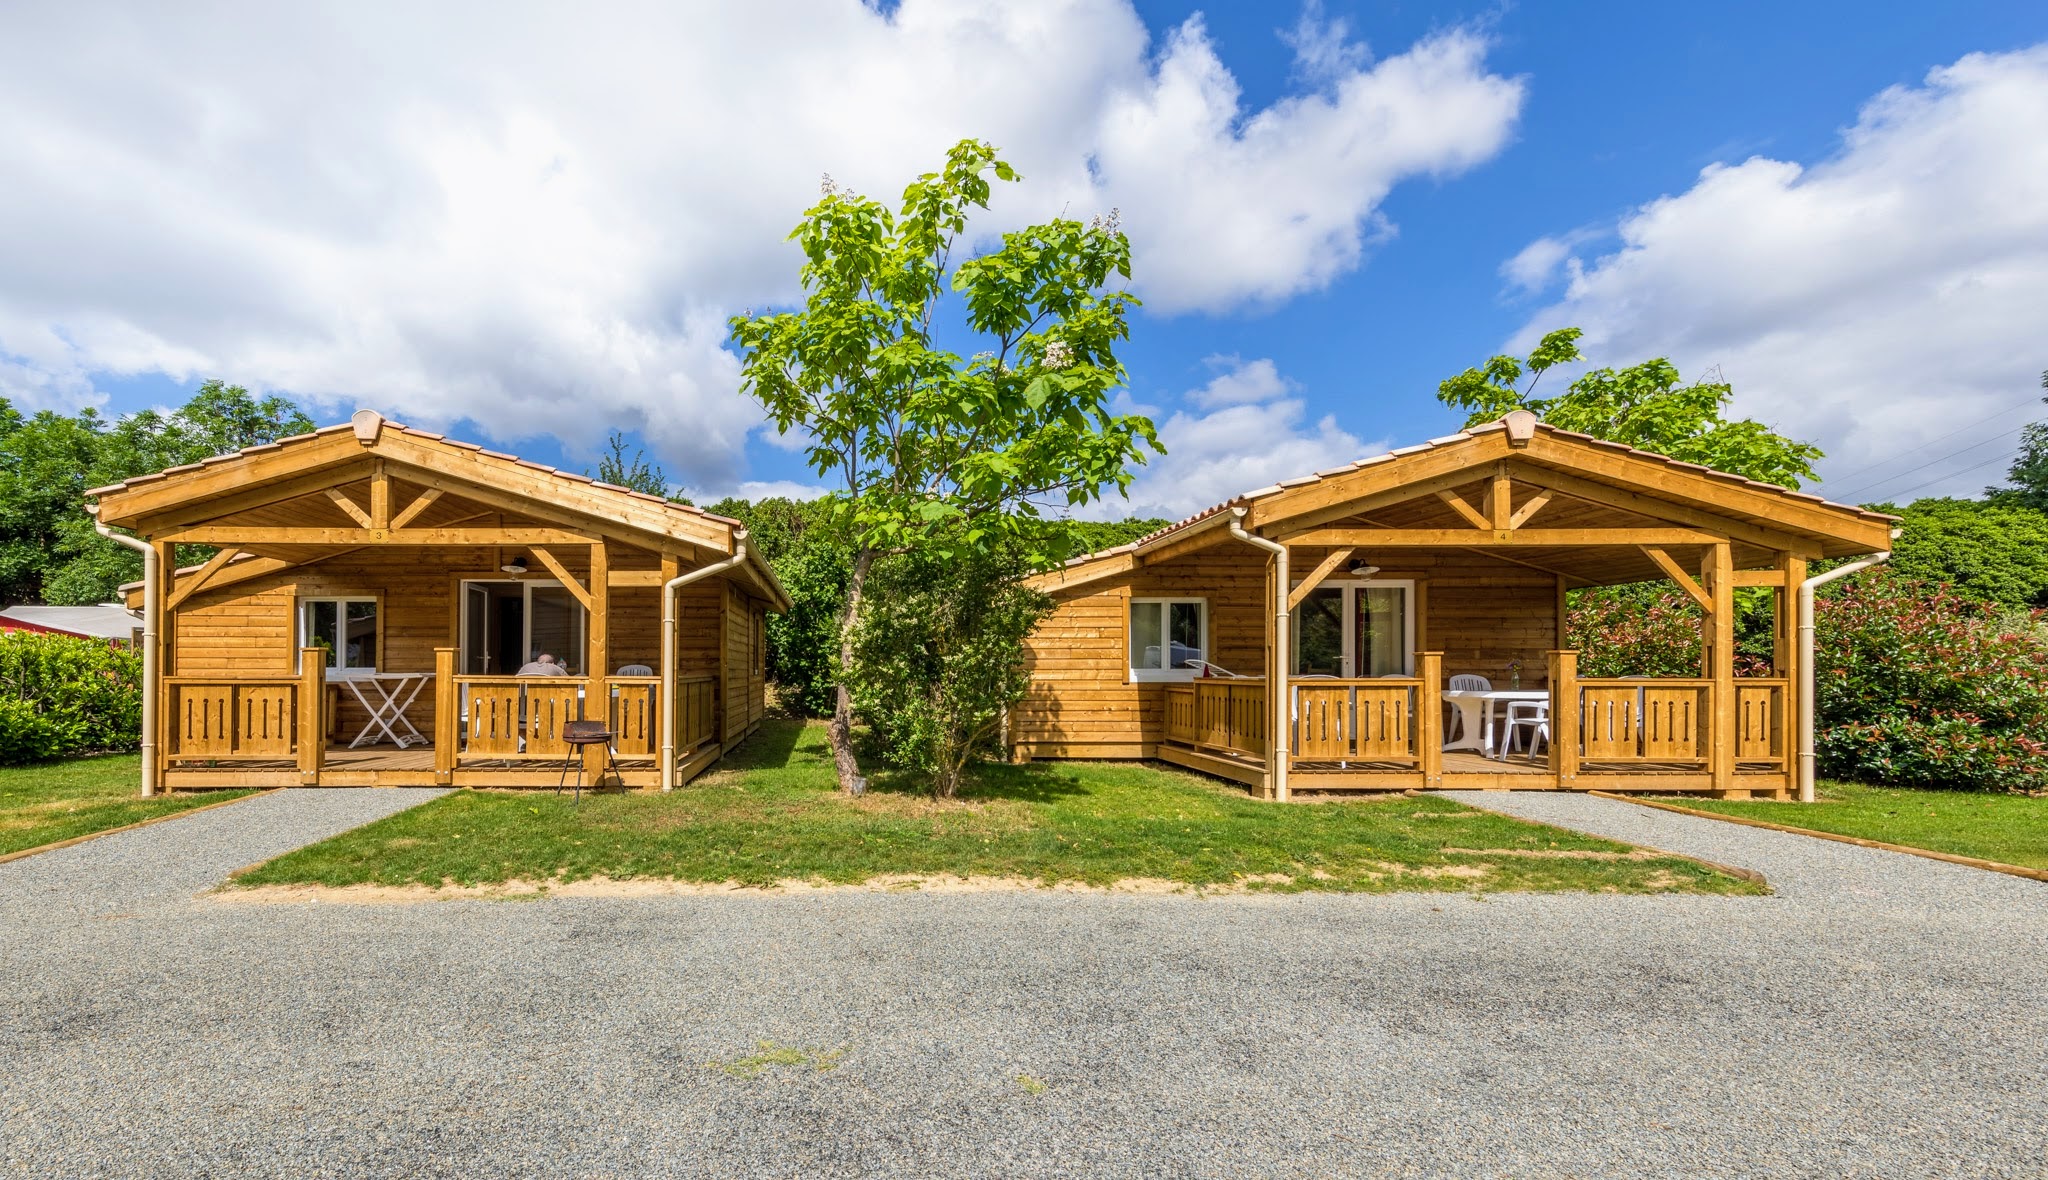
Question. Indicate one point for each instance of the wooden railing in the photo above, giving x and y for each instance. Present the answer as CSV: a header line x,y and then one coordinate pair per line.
x,y
1219,714
518,717
249,718
1761,723
1357,720
1643,720
632,711
696,707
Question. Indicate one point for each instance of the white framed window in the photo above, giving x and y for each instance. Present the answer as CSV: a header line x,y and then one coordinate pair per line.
x,y
347,629
1166,634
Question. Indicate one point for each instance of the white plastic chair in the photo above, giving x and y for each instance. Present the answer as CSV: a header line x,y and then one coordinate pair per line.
x,y
1205,668
634,670
1466,682
1530,716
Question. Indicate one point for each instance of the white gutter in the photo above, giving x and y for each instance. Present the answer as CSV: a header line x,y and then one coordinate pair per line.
x,y
151,609
1806,676
1276,676
668,651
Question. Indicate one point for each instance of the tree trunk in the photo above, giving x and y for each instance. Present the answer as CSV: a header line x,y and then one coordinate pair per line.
x,y
840,731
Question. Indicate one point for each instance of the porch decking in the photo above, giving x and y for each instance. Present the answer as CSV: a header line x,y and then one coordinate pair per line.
x,y
388,766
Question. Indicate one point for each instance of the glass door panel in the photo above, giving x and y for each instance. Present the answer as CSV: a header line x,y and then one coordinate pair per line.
x,y
1319,633
555,626
1382,631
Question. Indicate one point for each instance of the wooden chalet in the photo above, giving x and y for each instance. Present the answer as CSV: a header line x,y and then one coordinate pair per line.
x,y
1380,581
370,558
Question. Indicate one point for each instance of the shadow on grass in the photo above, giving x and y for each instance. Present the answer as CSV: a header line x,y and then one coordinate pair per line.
x,y
774,747
991,781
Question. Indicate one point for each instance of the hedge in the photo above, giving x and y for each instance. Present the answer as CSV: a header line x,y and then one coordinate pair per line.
x,y
61,697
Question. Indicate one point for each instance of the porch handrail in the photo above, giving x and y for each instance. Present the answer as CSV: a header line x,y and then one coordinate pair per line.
x,y
1346,719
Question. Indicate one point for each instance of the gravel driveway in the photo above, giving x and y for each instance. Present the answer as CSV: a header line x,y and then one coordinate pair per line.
x,y
1882,1016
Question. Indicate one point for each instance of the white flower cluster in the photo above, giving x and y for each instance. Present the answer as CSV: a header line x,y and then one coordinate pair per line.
x,y
826,185
1107,224
983,356
1058,355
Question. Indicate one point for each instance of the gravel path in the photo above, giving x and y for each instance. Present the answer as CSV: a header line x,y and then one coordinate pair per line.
x,y
1881,1016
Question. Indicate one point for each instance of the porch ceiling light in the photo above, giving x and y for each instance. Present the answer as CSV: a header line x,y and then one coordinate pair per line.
x,y
1363,569
515,566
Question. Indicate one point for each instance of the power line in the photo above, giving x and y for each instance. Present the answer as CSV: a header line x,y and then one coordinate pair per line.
x,y
2002,436
2007,457
2028,401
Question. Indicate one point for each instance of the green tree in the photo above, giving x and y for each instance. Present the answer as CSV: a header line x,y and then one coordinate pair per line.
x,y
803,542
932,451
1645,406
2029,470
1992,552
635,472
48,549
939,654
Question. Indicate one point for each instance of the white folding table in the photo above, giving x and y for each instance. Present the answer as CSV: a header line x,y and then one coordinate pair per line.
x,y
387,695
1476,708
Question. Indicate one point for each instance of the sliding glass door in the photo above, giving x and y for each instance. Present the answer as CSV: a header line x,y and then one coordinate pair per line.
x,y
506,624
1356,629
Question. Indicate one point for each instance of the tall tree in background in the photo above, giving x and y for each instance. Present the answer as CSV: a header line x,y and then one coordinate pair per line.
x,y
635,473
2029,471
48,549
1644,406
931,451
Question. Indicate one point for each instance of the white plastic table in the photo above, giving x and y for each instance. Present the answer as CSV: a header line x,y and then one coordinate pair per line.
x,y
387,695
1476,709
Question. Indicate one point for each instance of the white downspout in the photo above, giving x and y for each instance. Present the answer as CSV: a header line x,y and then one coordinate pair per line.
x,y
668,651
1806,676
151,604
1276,677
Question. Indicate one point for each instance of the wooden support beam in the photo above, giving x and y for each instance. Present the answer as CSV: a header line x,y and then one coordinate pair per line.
x,y
1316,576
635,578
1719,568
1564,717
1677,573
447,716
597,661
412,511
576,589
1769,577
1628,538
480,537
311,738
354,510
1500,498
1473,516
380,497
1593,491
196,581
1534,506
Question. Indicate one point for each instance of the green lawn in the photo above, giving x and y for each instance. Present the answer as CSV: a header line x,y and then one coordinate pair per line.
x,y
45,804
2008,828
771,813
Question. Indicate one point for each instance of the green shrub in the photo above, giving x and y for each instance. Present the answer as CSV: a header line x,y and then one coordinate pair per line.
x,y
1917,686
61,697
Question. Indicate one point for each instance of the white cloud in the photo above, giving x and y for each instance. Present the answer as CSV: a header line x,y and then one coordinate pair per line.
x,y
757,489
1873,302
540,220
1240,381
1238,445
1241,207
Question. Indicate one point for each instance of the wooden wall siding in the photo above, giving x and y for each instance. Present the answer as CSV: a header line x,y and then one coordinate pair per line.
x,y
1080,703
743,683
1482,613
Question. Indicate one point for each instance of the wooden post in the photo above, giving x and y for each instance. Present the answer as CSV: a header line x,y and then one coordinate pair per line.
x,y
1719,573
380,496
312,736
447,717
597,657
1429,724
166,649
1564,718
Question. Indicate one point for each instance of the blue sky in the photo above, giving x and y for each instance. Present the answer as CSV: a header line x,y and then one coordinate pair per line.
x,y
1861,287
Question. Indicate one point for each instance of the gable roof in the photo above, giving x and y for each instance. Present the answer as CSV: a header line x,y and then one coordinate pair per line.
x,y
1657,483
275,472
